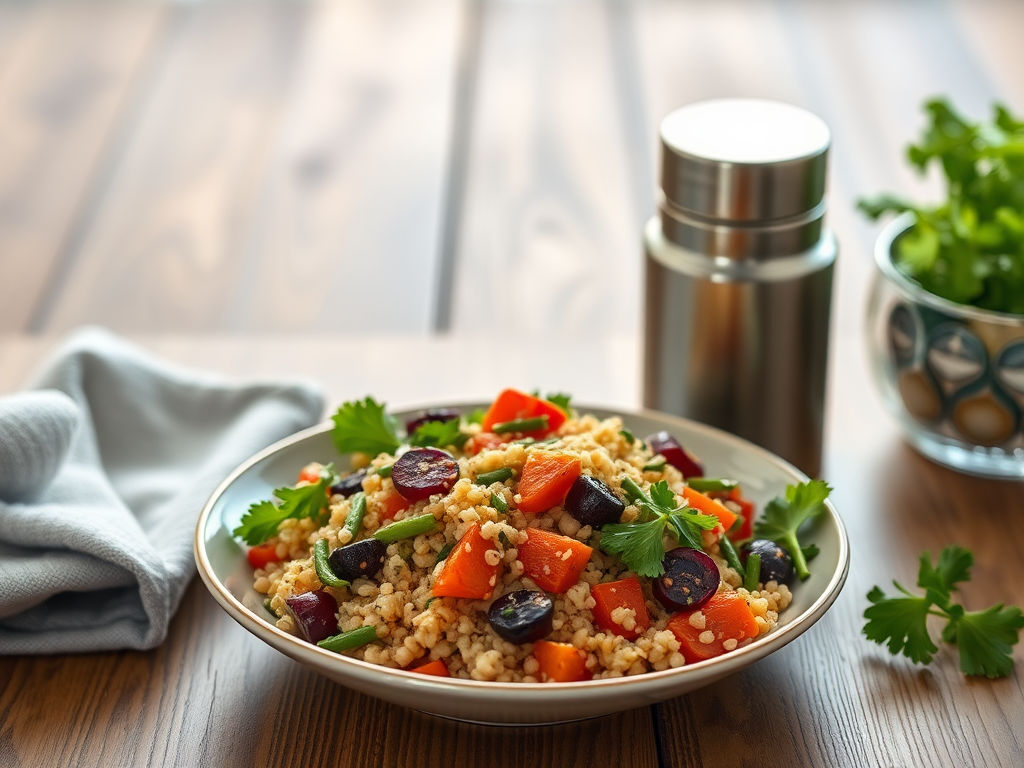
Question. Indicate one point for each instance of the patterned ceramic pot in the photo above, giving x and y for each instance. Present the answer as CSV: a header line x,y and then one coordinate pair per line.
x,y
952,375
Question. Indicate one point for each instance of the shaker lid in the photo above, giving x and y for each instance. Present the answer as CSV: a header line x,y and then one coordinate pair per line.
x,y
743,159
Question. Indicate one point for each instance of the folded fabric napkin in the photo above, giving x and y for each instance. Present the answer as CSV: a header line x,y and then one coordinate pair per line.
x,y
104,468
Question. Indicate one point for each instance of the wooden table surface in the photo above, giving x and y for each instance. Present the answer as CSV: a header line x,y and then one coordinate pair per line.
x,y
360,192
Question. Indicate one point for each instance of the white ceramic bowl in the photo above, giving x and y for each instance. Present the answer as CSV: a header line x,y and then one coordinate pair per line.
x,y
227,574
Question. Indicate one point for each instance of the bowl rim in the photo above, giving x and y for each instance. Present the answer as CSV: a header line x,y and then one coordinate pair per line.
x,y
760,647
912,290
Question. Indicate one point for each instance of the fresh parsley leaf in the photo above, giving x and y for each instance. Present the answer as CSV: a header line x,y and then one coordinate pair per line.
x,y
783,518
439,433
561,400
985,638
263,518
362,425
640,544
900,623
476,417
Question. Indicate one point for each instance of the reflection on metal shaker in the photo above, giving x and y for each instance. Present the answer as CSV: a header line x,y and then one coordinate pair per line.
x,y
739,274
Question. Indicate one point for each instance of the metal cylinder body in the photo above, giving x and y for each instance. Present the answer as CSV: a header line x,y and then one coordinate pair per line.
x,y
739,269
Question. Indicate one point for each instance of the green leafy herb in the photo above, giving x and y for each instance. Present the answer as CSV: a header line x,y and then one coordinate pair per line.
x,y
442,554
640,543
783,517
439,433
263,518
362,425
476,417
985,638
969,249
561,400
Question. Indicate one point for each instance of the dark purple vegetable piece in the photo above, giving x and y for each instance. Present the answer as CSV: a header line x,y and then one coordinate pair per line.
x,y
350,484
433,414
691,578
776,564
315,615
675,454
358,561
523,616
423,472
592,502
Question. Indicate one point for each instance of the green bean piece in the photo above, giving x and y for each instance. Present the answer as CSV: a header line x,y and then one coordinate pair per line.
x,y
711,484
521,425
324,572
386,470
634,491
627,436
498,502
271,611
753,574
354,521
445,551
524,441
729,551
497,476
655,466
404,529
346,641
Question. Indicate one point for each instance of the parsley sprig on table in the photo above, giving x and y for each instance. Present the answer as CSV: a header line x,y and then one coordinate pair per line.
x,y
783,517
263,518
640,544
985,638
969,249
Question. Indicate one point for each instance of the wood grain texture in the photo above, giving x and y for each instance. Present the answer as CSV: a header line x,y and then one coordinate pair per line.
x,y
164,245
549,237
57,114
347,226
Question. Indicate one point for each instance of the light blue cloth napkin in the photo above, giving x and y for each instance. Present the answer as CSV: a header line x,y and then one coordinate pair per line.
x,y
104,467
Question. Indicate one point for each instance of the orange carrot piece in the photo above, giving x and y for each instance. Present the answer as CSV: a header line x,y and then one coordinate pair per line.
x,y
554,562
726,616
466,572
310,473
547,478
263,554
485,441
625,593
709,506
511,404
560,662
392,505
436,668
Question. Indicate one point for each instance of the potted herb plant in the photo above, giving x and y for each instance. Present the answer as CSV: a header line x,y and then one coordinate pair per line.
x,y
946,315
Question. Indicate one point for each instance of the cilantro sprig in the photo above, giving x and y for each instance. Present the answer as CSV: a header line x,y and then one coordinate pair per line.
x,y
640,544
985,638
264,517
363,425
439,433
783,517
969,249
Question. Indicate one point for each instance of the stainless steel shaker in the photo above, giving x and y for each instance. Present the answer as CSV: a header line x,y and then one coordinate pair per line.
x,y
739,274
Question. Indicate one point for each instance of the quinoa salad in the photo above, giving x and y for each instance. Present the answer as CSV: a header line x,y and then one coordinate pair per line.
x,y
524,543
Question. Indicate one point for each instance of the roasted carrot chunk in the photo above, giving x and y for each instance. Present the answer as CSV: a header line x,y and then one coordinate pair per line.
x,y
511,404
554,562
625,593
745,529
263,554
709,506
727,621
437,668
547,478
392,505
560,662
466,572
485,441
310,473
